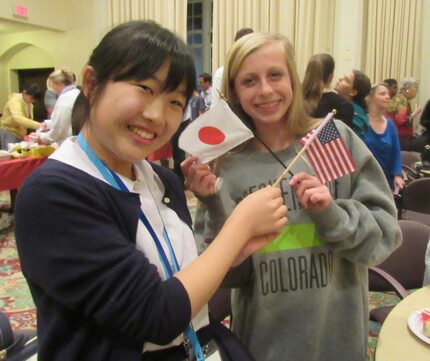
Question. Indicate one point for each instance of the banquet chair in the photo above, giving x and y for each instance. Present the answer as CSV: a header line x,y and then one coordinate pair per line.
x,y
16,345
409,158
404,269
416,201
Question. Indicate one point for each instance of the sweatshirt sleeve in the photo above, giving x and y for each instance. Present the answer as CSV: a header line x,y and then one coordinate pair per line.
x,y
71,247
362,225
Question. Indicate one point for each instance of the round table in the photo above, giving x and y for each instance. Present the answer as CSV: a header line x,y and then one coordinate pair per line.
x,y
396,342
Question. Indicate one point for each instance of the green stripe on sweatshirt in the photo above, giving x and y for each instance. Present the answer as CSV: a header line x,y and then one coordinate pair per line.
x,y
294,236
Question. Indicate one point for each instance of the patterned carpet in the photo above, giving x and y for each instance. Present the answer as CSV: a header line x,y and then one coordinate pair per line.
x,y
15,298
16,301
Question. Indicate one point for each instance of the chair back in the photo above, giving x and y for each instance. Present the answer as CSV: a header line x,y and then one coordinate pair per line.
x,y
408,158
416,196
407,263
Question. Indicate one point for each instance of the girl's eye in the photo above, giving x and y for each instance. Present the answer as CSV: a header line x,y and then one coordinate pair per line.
x,y
178,103
248,81
146,89
276,74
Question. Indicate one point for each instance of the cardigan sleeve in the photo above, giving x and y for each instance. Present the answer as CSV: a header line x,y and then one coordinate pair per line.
x,y
73,246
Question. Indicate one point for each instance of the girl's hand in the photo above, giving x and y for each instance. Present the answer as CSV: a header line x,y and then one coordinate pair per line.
x,y
199,177
260,214
399,182
310,192
252,246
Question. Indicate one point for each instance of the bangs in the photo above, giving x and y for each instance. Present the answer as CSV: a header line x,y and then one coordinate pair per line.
x,y
137,49
147,54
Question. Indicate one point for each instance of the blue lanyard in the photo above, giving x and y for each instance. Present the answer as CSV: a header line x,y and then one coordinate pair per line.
x,y
115,181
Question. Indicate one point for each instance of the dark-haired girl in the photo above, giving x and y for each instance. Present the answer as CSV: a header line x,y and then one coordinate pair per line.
x,y
104,237
354,87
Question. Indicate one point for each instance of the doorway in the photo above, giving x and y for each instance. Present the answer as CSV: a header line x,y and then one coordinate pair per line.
x,y
36,76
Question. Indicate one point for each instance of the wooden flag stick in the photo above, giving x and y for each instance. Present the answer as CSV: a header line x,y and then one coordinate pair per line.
x,y
297,157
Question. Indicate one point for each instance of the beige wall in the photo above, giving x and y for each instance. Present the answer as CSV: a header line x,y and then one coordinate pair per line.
x,y
424,93
46,13
348,37
68,42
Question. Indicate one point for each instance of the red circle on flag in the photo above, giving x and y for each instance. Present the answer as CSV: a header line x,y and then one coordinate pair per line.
x,y
211,135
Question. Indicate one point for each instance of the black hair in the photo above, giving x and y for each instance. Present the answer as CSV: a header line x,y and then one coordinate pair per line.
x,y
390,82
206,77
136,50
362,86
242,32
33,90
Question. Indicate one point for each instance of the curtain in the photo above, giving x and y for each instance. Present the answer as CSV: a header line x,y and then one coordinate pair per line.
x,y
309,24
393,39
172,14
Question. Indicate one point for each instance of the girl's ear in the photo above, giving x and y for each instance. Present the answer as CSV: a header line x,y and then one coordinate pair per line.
x,y
89,80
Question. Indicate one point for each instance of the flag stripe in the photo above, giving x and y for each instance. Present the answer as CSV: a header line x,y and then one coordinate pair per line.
x,y
328,153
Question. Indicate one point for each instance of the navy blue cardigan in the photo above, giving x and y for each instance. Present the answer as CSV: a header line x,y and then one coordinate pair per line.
x,y
97,296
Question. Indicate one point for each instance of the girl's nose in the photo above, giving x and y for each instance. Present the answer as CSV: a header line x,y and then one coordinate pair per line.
x,y
153,110
266,87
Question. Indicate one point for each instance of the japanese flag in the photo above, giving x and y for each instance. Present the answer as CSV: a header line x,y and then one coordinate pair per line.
x,y
214,133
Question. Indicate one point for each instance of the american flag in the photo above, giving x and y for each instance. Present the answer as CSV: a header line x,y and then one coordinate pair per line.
x,y
328,153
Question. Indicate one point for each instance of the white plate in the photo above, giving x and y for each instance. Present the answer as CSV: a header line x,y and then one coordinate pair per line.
x,y
415,323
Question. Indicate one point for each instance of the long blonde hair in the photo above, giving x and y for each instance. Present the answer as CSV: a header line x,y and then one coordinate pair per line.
x,y
298,121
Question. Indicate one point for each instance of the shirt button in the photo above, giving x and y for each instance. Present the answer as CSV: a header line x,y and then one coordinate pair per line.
x,y
166,200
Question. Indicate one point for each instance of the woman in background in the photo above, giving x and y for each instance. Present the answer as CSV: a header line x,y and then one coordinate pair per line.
x,y
401,112
354,87
319,97
382,138
59,127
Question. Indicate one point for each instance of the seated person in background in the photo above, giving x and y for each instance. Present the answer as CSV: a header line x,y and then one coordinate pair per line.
x,y
59,127
392,86
382,138
18,115
400,111
318,95
354,87
197,106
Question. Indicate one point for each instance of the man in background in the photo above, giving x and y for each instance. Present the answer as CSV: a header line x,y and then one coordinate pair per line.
x,y
205,83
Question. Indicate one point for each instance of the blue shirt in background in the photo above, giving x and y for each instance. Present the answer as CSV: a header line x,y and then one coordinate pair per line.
x,y
385,147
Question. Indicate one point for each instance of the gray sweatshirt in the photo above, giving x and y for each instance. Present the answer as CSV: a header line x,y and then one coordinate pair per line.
x,y
305,296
